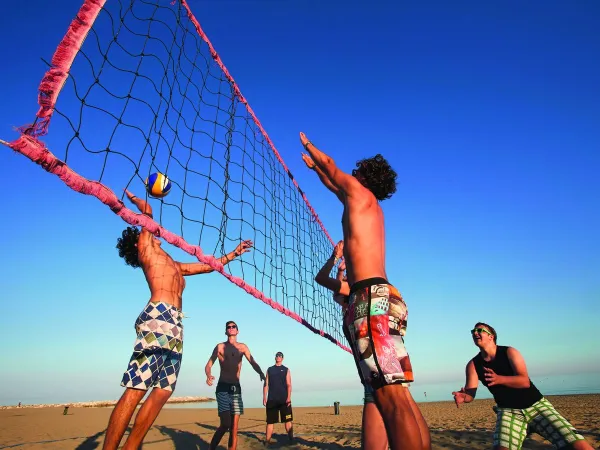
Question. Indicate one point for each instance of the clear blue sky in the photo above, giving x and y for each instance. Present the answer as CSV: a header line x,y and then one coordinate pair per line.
x,y
489,112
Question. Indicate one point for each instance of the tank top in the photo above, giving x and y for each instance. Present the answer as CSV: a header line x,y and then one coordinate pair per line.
x,y
277,384
506,397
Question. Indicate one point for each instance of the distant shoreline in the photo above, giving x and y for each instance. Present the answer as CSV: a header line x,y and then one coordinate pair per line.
x,y
181,400
106,403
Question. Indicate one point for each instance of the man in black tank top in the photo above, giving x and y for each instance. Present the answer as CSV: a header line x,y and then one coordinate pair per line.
x,y
277,397
521,406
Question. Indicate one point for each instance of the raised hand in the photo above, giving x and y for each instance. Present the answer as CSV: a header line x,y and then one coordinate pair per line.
x,y
130,195
308,161
338,250
243,247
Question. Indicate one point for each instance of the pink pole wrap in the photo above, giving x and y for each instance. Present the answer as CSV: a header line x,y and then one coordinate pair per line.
x,y
38,153
63,57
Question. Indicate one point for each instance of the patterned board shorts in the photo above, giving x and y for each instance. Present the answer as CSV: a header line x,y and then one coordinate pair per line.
x,y
157,351
229,398
374,324
541,417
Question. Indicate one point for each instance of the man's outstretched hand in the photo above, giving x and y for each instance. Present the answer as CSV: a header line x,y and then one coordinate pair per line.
x,y
308,161
304,140
243,247
460,397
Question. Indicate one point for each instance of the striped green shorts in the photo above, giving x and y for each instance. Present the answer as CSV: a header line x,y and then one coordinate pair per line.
x,y
541,418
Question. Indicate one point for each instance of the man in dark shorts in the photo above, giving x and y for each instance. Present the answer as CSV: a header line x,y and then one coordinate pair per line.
x,y
156,359
229,391
277,397
521,408
376,318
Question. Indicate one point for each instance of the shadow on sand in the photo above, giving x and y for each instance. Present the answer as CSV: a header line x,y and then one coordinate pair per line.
x,y
256,441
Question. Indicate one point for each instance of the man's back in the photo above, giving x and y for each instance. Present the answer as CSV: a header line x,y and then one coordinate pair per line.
x,y
364,235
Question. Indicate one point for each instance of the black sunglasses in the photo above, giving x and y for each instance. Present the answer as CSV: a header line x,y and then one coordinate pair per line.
x,y
231,326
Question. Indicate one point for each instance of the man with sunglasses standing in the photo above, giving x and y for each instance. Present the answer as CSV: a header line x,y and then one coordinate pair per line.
x,y
229,391
277,398
520,405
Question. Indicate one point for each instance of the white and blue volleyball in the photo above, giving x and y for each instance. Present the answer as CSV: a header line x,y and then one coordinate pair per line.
x,y
158,185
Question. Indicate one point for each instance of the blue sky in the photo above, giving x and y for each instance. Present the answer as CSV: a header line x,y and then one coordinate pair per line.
x,y
488,112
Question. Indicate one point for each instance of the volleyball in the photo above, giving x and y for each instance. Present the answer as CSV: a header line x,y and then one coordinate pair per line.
x,y
158,185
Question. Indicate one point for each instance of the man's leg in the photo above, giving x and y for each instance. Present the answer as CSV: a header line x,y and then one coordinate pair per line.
x,y
285,416
120,417
268,433
235,420
553,427
224,426
405,430
511,429
146,417
272,416
423,427
289,427
374,436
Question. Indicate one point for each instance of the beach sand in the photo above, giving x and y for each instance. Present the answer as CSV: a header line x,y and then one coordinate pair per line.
x,y
469,427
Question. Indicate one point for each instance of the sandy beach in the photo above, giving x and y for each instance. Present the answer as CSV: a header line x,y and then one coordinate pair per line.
x,y
469,427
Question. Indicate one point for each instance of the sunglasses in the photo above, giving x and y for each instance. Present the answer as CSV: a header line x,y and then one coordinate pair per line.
x,y
481,330
232,327
279,355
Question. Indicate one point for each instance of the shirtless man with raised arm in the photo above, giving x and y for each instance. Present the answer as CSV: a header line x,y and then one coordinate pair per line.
x,y
156,358
229,391
376,317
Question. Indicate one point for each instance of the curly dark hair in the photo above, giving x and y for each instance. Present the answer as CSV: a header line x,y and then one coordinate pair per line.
x,y
127,246
376,175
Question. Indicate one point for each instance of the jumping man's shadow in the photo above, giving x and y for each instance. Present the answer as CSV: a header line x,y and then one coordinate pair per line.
x,y
91,443
183,440
258,440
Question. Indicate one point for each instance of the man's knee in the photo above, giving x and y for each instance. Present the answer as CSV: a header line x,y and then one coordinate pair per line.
x,y
132,396
162,393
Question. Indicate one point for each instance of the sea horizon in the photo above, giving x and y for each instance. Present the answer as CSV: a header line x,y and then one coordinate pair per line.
x,y
566,384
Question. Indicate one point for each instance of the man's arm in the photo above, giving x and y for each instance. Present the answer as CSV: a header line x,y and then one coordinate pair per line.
x,y
209,364
345,183
141,204
312,166
518,381
467,393
198,268
145,236
340,273
337,285
253,363
288,381
266,389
